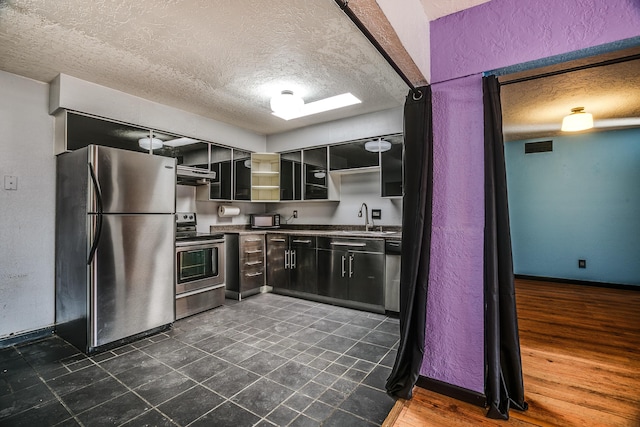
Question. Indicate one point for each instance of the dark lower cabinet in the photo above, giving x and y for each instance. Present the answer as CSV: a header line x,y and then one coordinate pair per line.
x,y
352,270
292,263
347,271
303,264
366,277
333,280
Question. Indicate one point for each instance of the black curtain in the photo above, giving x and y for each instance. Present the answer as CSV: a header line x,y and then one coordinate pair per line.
x,y
504,386
416,241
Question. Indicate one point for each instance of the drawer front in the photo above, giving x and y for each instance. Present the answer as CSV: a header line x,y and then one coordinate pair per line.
x,y
251,277
252,241
251,248
352,244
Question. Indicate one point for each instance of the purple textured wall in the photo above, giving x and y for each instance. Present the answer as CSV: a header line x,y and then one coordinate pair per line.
x,y
489,36
454,348
507,32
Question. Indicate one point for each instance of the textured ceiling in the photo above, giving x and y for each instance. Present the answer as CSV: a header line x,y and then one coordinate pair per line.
x,y
222,59
435,9
535,108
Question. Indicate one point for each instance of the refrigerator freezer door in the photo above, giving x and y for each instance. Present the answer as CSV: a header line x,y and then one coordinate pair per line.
x,y
132,276
133,182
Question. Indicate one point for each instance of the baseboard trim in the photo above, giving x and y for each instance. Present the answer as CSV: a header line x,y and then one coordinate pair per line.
x,y
580,282
459,393
26,337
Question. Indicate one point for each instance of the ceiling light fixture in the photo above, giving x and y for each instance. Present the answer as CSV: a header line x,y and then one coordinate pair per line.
x,y
319,174
316,107
576,121
150,143
377,146
286,103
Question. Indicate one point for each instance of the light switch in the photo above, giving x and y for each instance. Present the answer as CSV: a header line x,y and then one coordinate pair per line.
x,y
10,182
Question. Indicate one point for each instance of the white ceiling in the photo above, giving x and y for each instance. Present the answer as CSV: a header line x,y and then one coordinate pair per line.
x,y
222,59
535,108
439,8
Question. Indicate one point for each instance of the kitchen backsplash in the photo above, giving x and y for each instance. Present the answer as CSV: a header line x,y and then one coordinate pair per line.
x,y
356,189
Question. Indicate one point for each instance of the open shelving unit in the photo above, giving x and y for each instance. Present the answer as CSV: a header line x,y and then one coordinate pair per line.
x,y
265,177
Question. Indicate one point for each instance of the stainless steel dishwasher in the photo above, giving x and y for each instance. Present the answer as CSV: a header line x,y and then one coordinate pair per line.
x,y
392,261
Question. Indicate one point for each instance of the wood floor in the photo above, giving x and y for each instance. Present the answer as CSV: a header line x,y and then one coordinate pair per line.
x,y
580,350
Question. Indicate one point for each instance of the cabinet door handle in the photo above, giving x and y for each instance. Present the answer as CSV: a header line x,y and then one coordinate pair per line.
x,y
343,269
359,245
293,259
253,263
286,259
257,251
259,273
278,240
301,241
253,240
350,265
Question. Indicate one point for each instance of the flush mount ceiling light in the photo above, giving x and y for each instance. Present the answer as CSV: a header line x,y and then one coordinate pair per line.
x,y
316,107
377,146
577,120
150,143
319,174
286,103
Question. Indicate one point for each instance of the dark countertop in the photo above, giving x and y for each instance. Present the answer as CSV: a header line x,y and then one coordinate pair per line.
x,y
389,232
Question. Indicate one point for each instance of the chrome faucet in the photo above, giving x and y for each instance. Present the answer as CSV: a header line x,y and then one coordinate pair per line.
x,y
366,216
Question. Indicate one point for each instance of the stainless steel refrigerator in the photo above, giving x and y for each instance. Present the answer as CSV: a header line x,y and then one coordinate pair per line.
x,y
115,245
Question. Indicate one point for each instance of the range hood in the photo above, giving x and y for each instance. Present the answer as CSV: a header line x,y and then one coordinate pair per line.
x,y
193,176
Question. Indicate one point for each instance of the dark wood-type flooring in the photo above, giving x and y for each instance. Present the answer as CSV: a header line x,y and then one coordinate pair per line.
x,y
581,363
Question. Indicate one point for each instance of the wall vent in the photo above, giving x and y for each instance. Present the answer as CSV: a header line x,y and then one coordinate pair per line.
x,y
538,147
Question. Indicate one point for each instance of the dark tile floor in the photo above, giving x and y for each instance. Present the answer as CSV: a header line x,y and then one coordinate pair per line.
x,y
268,360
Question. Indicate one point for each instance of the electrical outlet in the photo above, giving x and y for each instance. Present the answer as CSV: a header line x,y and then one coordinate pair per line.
x,y
376,213
295,214
10,182
582,263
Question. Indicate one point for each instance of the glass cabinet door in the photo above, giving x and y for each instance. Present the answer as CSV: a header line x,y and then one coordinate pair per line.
x,y
352,155
391,168
220,187
291,175
315,174
84,130
188,152
242,175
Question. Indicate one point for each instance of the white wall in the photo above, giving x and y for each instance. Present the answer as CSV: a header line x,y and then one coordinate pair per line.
x,y
408,18
27,227
356,189
207,211
74,94
364,126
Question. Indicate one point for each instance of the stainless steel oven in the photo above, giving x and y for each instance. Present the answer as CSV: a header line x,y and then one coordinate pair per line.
x,y
200,282
199,264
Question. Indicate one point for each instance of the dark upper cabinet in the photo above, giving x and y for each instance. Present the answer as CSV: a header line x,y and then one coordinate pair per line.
x,y
242,175
187,151
352,155
291,175
391,169
83,130
316,177
220,186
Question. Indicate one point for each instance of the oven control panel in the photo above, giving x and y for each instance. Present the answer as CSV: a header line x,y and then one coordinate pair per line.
x,y
185,218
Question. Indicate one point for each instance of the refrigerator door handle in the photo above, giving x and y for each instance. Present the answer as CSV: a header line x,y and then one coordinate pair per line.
x,y
98,230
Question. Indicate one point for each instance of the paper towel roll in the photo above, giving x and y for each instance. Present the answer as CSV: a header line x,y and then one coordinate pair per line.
x,y
224,211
